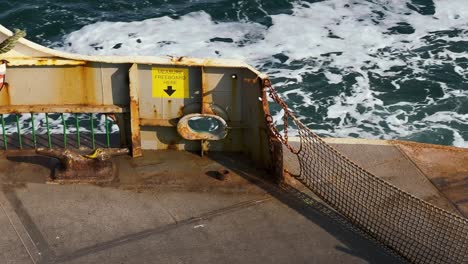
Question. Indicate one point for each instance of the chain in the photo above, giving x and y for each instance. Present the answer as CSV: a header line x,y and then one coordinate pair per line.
x,y
276,98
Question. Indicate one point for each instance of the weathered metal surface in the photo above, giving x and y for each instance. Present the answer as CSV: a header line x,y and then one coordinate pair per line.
x,y
69,108
5,94
159,122
158,107
445,167
187,132
134,112
55,85
89,84
56,81
76,167
44,62
173,123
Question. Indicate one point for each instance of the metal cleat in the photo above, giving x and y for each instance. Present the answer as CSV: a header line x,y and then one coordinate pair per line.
x,y
96,167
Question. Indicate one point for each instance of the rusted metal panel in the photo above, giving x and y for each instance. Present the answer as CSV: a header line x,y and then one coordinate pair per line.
x,y
134,111
54,85
159,122
173,123
163,138
223,89
255,111
90,84
8,109
162,113
165,108
115,83
5,94
44,62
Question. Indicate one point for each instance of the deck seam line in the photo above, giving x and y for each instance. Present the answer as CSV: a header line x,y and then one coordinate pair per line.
x,y
430,182
17,233
145,234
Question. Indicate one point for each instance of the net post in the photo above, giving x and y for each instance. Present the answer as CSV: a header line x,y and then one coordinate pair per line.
x,y
92,131
64,131
107,131
77,124
19,131
33,130
49,140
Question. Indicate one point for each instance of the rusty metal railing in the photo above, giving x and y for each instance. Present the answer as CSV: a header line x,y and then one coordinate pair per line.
x,y
72,130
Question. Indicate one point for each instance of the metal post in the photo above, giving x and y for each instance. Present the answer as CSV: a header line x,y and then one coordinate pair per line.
x,y
77,131
19,131
92,131
64,132
33,130
107,131
4,135
49,140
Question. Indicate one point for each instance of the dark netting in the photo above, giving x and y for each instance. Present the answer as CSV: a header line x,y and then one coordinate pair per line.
x,y
419,231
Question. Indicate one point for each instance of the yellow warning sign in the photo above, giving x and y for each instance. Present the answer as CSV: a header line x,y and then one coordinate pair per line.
x,y
170,82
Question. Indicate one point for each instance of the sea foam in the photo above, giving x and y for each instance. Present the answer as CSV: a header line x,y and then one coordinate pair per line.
x,y
351,44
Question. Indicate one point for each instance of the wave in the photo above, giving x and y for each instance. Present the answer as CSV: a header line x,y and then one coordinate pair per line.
x,y
376,69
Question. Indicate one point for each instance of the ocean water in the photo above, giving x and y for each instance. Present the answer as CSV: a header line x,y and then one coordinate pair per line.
x,y
384,69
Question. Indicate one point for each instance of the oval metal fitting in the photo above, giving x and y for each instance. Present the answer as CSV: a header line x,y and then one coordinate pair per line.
x,y
202,127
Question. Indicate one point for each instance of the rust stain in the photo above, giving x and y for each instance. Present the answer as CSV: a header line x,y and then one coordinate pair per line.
x,y
134,112
69,108
250,80
159,122
41,62
169,108
5,95
173,145
446,167
44,62
208,109
186,132
181,111
205,107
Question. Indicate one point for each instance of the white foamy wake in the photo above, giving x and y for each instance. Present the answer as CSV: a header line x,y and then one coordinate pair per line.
x,y
336,38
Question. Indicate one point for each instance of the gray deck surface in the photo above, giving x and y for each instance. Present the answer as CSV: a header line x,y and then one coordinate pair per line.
x,y
168,207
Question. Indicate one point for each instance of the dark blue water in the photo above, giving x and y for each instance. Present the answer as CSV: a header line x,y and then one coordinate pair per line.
x,y
370,69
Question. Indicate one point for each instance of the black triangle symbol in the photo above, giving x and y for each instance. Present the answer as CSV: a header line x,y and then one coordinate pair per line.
x,y
169,90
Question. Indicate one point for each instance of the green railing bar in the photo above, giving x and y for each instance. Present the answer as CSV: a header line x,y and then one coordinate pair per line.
x,y
92,130
19,131
33,130
107,132
64,131
77,131
49,140
4,135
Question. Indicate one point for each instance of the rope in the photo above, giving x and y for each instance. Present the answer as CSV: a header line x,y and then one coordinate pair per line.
x,y
9,43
